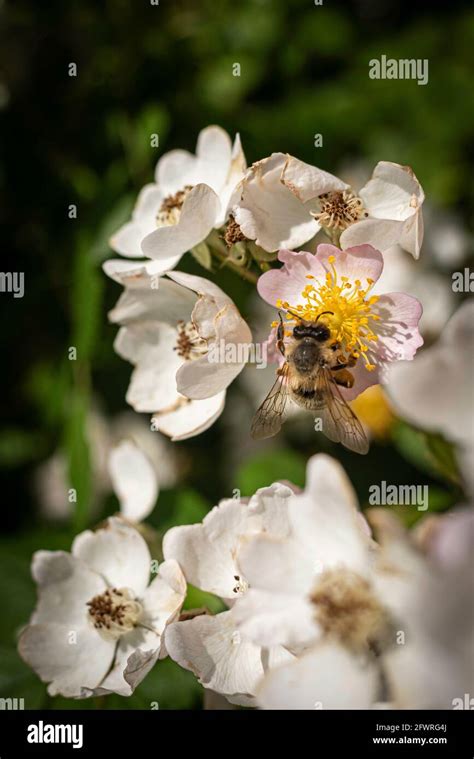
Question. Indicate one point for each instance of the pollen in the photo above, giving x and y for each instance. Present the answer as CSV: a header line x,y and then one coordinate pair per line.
x,y
338,210
114,612
189,344
170,209
347,609
348,312
233,233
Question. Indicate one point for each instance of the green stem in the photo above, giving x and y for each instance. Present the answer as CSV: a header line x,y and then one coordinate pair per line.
x,y
250,276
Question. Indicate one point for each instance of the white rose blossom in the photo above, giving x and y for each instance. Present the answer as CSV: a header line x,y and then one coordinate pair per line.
x,y
211,646
168,332
369,625
98,624
328,542
191,195
284,202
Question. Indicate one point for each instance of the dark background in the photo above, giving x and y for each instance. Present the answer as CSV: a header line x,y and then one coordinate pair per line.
x,y
167,69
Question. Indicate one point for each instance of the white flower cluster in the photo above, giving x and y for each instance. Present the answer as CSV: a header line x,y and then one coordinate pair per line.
x,y
212,205
321,613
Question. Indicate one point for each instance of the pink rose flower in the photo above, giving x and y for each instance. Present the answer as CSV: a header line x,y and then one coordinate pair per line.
x,y
374,329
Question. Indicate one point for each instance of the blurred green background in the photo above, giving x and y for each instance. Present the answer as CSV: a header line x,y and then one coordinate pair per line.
x,y
85,140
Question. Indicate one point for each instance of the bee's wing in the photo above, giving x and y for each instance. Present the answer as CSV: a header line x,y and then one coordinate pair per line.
x,y
269,416
339,422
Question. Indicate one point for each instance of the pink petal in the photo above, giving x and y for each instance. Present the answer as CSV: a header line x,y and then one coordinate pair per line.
x,y
360,262
397,330
289,282
362,380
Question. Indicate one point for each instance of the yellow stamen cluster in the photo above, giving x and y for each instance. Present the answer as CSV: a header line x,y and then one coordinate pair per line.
x,y
351,317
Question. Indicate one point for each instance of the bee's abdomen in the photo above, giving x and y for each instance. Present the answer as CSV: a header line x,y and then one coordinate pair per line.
x,y
304,393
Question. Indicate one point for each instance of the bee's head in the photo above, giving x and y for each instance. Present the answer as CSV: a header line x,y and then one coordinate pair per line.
x,y
319,332
314,330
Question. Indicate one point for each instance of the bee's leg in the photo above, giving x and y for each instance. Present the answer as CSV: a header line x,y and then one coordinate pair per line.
x,y
343,377
350,362
280,336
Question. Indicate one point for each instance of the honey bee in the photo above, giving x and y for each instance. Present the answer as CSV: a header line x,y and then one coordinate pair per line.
x,y
314,370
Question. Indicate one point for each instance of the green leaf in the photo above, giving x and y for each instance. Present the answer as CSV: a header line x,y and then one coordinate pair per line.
x,y
180,507
197,599
428,451
203,256
259,254
266,468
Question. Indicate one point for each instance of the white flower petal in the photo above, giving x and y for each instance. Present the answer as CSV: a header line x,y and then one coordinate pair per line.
x,y
150,346
393,192
269,509
197,218
136,654
382,234
136,274
65,586
206,552
268,212
118,553
308,182
270,618
134,481
423,676
174,171
214,153
190,418
127,240
326,518
411,238
164,596
70,664
138,651
205,377
201,286
434,391
214,650
329,677
230,193
142,299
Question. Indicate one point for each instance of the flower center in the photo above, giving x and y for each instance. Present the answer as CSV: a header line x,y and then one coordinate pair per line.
x,y
347,609
241,585
189,344
170,209
350,318
114,612
338,210
233,233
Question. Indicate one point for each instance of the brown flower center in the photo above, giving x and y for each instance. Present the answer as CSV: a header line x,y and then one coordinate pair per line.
x,y
189,344
170,209
114,612
338,210
233,233
347,609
